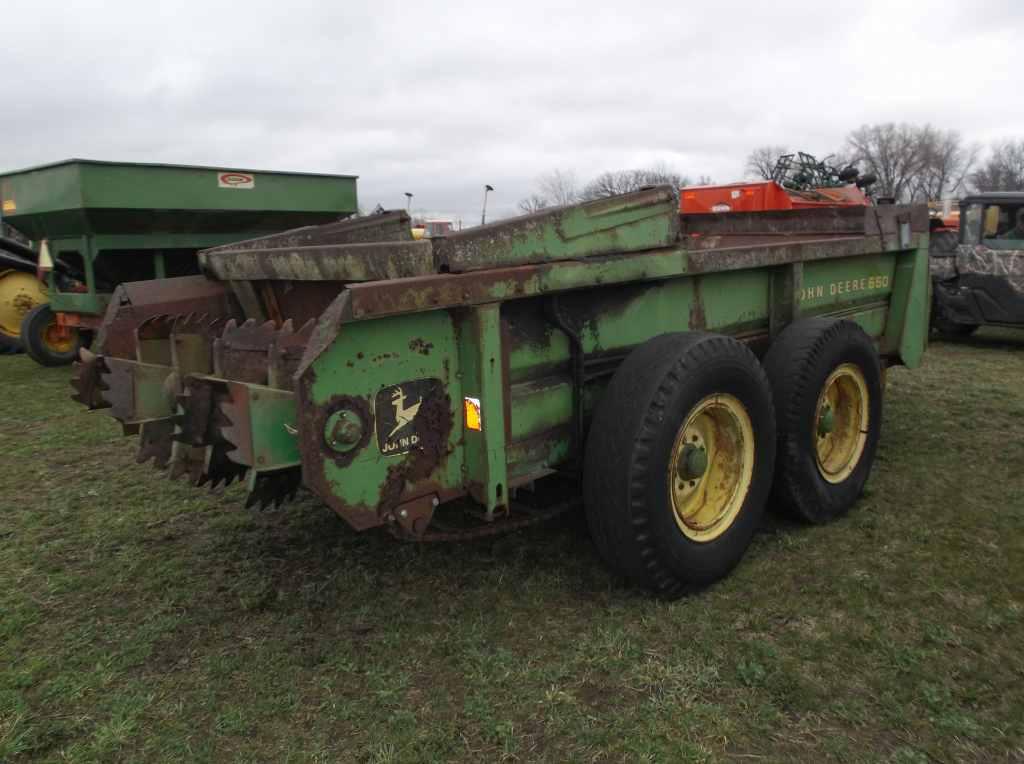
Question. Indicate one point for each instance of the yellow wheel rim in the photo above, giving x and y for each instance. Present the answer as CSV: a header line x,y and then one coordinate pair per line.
x,y
57,339
19,293
841,423
710,468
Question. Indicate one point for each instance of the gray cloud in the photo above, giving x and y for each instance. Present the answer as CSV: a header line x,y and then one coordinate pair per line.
x,y
439,98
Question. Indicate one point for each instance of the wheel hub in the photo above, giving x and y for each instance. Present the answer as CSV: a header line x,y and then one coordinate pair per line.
x,y
711,466
693,462
19,293
58,338
842,423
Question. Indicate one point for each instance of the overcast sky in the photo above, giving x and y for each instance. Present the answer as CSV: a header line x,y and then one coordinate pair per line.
x,y
440,98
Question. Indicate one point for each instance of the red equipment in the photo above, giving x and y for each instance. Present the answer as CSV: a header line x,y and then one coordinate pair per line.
x,y
798,181
759,196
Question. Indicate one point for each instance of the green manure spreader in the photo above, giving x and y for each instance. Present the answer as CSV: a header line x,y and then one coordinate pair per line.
x,y
672,374
98,224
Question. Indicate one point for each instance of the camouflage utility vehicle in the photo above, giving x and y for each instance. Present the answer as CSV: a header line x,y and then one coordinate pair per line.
x,y
978,276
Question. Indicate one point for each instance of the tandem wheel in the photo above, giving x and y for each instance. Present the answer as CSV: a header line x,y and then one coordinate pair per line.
x,y
679,461
827,387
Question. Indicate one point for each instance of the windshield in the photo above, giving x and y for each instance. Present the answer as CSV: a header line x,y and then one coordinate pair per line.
x,y
999,226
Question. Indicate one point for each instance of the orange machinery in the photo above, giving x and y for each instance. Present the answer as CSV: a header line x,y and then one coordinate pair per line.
x,y
799,181
759,196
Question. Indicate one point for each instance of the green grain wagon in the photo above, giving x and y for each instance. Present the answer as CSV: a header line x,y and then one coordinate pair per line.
x,y
110,222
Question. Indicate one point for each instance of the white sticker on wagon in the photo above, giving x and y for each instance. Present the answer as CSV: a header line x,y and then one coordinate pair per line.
x,y
235,180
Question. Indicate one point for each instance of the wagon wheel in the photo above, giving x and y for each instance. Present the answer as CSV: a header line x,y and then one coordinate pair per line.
x,y
827,387
46,342
19,293
679,460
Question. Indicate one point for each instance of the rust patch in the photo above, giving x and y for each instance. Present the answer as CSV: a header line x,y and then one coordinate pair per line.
x,y
393,225
527,325
133,303
434,424
698,318
419,345
413,517
361,407
378,298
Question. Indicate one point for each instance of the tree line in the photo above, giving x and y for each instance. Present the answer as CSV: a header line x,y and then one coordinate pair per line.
x,y
916,163
912,163
561,187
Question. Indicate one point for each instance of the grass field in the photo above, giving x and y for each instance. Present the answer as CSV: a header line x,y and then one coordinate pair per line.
x,y
144,620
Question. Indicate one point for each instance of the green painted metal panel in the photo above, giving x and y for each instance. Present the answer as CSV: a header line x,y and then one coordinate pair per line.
x,y
871,320
92,208
86,197
628,223
906,332
481,365
79,302
272,412
361,361
828,283
539,404
615,319
613,305
41,190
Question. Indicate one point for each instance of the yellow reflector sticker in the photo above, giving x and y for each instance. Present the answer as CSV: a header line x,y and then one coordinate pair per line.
x,y
473,419
10,206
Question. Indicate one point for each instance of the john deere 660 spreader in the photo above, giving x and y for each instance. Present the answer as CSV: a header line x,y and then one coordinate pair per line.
x,y
674,374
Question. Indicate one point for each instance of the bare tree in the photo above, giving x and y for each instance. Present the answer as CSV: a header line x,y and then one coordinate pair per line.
x,y
533,203
894,153
761,161
560,187
946,162
616,182
554,189
1003,170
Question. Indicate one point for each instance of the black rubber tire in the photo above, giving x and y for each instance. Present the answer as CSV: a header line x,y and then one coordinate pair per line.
x,y
628,507
32,327
798,363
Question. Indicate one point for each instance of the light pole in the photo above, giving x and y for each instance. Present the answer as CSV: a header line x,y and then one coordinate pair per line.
x,y
483,215
408,201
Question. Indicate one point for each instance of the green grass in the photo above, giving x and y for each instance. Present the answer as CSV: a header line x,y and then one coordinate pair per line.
x,y
144,620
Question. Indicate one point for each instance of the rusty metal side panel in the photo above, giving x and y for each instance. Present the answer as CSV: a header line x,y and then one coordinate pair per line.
x,y
778,224
627,223
383,298
613,320
399,378
389,226
133,303
334,262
